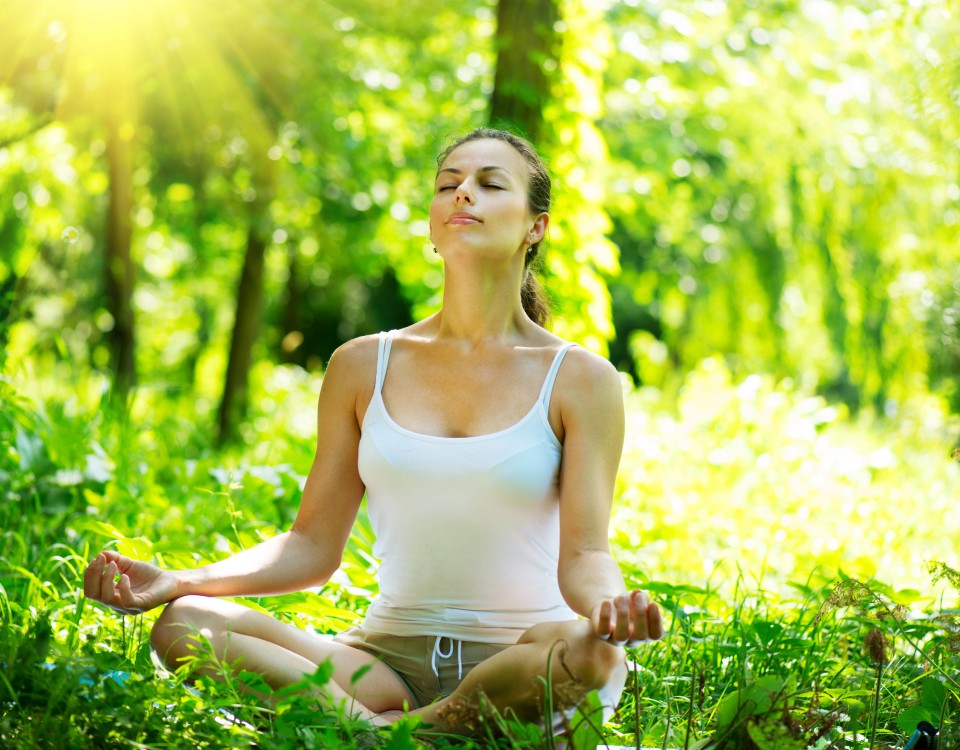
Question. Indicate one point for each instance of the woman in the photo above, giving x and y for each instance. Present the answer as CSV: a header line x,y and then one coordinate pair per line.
x,y
455,428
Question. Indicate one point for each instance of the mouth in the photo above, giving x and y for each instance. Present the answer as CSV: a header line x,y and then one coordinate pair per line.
x,y
461,217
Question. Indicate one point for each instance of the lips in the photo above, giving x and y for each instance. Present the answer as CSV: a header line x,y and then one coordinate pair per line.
x,y
462,217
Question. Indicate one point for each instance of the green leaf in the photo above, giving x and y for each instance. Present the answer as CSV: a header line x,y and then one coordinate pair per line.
x,y
772,683
910,717
907,596
728,710
771,734
254,681
585,725
767,631
323,674
401,737
933,693
360,673
657,587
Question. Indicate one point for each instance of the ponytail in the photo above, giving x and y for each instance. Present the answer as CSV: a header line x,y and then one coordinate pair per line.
x,y
532,296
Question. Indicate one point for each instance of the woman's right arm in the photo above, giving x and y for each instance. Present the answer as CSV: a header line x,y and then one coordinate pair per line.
x,y
306,555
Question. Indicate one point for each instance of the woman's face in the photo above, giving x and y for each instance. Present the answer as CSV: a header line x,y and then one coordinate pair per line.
x,y
480,201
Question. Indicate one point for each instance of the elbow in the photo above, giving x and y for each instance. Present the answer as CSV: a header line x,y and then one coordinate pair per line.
x,y
317,562
322,568
324,573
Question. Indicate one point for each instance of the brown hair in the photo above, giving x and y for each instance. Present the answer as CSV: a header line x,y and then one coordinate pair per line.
x,y
538,198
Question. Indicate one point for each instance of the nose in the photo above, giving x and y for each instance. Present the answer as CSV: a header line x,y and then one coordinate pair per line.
x,y
462,194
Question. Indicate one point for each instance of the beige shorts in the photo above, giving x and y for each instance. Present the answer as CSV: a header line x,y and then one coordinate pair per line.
x,y
430,666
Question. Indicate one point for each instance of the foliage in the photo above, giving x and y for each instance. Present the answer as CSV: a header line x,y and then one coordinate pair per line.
x,y
773,199
763,650
775,183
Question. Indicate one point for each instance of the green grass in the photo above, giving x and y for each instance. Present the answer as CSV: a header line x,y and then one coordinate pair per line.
x,y
776,530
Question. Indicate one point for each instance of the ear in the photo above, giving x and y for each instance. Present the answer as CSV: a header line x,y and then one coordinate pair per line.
x,y
539,228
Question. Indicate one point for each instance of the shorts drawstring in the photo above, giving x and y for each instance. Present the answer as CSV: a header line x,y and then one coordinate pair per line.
x,y
438,652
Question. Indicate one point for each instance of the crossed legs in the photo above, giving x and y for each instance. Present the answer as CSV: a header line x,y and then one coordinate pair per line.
x,y
512,681
281,653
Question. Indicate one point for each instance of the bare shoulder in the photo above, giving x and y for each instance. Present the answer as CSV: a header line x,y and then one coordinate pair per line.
x,y
588,390
584,371
350,376
353,357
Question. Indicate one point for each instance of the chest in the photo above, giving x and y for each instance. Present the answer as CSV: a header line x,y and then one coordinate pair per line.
x,y
455,394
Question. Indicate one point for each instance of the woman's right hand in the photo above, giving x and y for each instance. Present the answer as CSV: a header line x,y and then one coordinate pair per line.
x,y
141,587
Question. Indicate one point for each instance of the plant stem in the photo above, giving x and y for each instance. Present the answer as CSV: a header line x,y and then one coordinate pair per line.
x,y
943,716
876,706
666,730
636,704
693,687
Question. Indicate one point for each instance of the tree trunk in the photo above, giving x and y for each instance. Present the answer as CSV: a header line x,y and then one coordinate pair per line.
x,y
119,265
527,48
246,323
291,321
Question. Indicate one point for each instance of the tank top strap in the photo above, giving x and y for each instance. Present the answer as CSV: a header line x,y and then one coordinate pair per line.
x,y
383,356
547,389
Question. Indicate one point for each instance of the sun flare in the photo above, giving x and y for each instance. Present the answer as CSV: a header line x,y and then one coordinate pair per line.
x,y
122,65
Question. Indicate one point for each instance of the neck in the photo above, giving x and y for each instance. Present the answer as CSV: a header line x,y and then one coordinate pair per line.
x,y
481,304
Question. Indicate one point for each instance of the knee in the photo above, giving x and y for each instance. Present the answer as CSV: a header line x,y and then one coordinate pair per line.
x,y
593,663
179,620
603,665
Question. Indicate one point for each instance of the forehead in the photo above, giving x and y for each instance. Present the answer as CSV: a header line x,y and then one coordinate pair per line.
x,y
486,152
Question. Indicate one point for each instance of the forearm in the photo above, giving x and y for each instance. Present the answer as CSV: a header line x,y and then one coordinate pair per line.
x,y
588,578
287,562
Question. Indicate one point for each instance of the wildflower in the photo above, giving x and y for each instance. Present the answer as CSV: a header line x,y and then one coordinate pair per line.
x,y
876,644
461,713
876,647
898,613
940,571
951,627
846,593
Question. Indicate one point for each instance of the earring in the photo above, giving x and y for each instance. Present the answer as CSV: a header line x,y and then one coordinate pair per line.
x,y
436,251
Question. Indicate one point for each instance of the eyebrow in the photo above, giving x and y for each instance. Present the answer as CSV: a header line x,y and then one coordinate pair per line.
x,y
482,169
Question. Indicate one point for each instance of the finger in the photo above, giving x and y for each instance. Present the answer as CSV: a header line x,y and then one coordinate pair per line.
x,y
127,597
640,603
604,620
654,622
642,596
91,577
108,591
623,626
98,582
122,563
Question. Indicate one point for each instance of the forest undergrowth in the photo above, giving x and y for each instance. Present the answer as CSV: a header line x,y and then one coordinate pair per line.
x,y
805,558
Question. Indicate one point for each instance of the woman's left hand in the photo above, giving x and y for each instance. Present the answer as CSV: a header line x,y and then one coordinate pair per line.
x,y
628,619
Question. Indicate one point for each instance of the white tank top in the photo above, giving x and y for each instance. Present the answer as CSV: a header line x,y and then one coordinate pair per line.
x,y
467,528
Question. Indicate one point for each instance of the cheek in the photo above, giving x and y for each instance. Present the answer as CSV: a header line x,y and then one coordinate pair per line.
x,y
435,206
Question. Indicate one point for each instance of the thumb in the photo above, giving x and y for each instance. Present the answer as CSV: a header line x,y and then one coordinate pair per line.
x,y
127,597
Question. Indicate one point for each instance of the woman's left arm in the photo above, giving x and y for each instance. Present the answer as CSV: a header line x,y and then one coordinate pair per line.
x,y
591,411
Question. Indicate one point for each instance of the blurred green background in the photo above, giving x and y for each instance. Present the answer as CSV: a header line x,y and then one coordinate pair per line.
x,y
188,189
